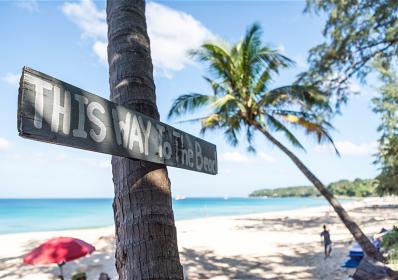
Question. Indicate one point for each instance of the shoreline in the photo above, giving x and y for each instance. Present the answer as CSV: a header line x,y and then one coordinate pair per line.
x,y
269,245
352,200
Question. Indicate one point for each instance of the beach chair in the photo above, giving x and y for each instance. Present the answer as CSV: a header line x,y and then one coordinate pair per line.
x,y
355,256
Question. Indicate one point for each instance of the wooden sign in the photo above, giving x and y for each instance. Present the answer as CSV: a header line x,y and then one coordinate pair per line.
x,y
53,111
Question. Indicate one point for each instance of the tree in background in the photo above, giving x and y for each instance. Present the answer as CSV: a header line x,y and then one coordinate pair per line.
x,y
386,105
242,99
356,31
357,187
146,240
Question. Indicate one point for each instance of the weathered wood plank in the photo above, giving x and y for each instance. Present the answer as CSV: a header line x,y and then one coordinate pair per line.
x,y
52,111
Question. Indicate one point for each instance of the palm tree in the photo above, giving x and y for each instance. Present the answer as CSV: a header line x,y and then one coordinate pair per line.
x,y
146,241
241,99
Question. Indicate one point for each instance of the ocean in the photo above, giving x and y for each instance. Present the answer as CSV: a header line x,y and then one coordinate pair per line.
x,y
29,215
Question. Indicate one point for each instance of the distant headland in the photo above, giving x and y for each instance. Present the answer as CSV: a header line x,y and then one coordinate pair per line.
x,y
345,188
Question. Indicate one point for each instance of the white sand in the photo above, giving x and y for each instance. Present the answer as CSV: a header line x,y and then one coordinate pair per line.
x,y
278,245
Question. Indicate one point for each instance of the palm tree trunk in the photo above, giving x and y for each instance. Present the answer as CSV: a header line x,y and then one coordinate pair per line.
x,y
146,239
354,229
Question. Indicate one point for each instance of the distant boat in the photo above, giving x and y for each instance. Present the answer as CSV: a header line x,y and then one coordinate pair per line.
x,y
180,197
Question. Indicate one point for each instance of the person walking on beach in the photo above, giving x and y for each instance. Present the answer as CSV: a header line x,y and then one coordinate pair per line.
x,y
326,241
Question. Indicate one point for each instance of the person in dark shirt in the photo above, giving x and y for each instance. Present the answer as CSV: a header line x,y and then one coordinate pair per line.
x,y
326,241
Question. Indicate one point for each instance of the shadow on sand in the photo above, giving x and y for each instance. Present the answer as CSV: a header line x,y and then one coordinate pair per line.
x,y
299,266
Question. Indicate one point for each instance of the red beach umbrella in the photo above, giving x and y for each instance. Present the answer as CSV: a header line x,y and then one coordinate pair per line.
x,y
58,250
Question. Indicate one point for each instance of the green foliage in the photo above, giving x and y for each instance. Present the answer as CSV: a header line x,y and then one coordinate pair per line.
x,y
356,32
386,105
356,188
390,239
241,98
301,191
389,244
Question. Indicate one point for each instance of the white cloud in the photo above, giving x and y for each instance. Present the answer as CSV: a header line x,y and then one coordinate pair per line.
x,y
266,157
172,33
30,5
347,148
238,157
100,49
5,144
11,78
86,15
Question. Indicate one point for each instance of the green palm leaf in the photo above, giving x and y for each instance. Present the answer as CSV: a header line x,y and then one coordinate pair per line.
x,y
188,103
306,97
241,76
276,125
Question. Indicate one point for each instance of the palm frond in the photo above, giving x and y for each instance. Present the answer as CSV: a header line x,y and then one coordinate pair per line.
x,y
231,135
250,139
262,81
301,114
276,125
306,97
232,128
187,103
221,102
312,128
272,59
211,121
249,47
219,59
192,121
216,87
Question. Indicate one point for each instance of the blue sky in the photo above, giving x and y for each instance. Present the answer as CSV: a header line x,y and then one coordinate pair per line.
x,y
67,40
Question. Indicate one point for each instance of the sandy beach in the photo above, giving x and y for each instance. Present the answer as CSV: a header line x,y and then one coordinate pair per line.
x,y
277,245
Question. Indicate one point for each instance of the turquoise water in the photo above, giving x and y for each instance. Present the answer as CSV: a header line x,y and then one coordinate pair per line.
x,y
27,215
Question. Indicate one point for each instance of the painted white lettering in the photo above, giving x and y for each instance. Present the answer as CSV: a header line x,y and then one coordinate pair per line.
x,y
59,110
93,118
167,150
122,128
190,157
177,140
79,132
147,131
199,157
136,135
160,139
184,156
40,85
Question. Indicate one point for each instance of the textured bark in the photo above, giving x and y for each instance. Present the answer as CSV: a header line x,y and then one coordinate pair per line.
x,y
369,249
146,241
